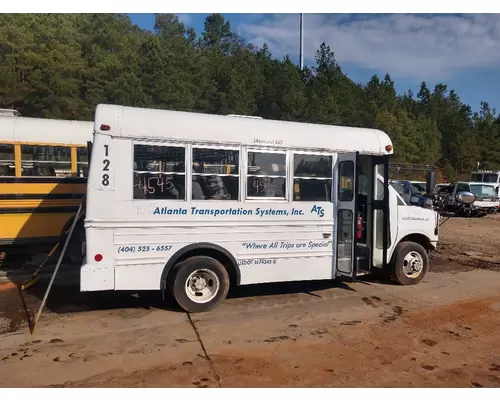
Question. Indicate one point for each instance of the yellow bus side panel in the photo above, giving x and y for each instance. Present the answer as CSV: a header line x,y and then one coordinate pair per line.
x,y
25,226
42,188
37,212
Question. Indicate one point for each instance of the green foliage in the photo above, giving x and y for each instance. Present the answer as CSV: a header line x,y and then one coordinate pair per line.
x,y
63,65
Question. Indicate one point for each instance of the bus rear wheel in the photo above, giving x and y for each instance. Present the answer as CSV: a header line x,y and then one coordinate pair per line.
x,y
199,284
410,263
74,253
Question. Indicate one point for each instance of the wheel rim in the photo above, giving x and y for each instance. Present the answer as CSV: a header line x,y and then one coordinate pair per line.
x,y
413,264
202,286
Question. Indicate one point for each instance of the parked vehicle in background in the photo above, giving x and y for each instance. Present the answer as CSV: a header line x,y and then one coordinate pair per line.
x,y
43,165
487,177
7,112
439,187
412,193
420,186
486,202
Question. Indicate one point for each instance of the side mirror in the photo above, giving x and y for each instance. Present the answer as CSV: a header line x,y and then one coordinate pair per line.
x,y
414,200
465,197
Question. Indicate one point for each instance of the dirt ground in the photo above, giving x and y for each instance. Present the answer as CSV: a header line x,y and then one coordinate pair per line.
x,y
470,241
441,333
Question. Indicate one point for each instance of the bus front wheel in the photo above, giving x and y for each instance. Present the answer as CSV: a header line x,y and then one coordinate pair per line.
x,y
199,284
410,263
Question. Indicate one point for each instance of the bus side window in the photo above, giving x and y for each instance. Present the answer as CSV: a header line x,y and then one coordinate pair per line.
x,y
82,161
379,182
45,160
346,179
7,163
215,174
266,174
312,177
159,172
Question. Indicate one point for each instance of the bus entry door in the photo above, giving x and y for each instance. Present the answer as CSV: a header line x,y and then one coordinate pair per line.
x,y
345,197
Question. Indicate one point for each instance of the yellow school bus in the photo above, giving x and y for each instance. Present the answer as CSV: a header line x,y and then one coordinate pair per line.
x,y
43,168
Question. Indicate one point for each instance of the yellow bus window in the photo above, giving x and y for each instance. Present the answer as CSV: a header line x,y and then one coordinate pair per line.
x,y
7,164
82,161
45,160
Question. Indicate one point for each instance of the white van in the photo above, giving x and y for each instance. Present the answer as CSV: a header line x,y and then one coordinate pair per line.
x,y
193,204
486,198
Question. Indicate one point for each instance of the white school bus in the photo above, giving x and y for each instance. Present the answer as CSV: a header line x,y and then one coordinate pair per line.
x,y
193,204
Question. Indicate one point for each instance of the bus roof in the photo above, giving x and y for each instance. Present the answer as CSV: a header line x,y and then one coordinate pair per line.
x,y
44,130
151,124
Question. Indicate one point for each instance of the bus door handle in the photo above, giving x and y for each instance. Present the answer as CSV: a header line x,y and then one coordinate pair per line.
x,y
326,235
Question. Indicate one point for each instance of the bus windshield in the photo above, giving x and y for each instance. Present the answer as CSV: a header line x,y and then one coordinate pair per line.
x,y
486,178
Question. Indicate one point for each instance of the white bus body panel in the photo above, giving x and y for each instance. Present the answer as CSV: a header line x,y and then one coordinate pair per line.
x,y
267,249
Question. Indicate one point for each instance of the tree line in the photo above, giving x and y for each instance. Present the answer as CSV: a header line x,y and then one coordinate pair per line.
x,y
63,65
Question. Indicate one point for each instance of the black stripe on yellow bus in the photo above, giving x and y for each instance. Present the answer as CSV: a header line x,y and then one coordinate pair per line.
x,y
35,196
36,240
40,210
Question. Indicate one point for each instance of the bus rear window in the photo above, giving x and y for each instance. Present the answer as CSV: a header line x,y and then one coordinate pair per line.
x,y
490,178
476,178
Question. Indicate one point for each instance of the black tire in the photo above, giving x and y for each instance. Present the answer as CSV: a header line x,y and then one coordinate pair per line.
x,y
398,263
74,253
209,267
380,273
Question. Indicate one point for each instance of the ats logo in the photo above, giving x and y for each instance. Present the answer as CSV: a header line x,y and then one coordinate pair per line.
x,y
318,210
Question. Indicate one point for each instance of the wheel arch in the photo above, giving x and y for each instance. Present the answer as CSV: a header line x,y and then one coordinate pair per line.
x,y
203,249
419,238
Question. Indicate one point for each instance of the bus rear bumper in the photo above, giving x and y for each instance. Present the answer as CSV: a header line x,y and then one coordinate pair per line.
x,y
95,278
